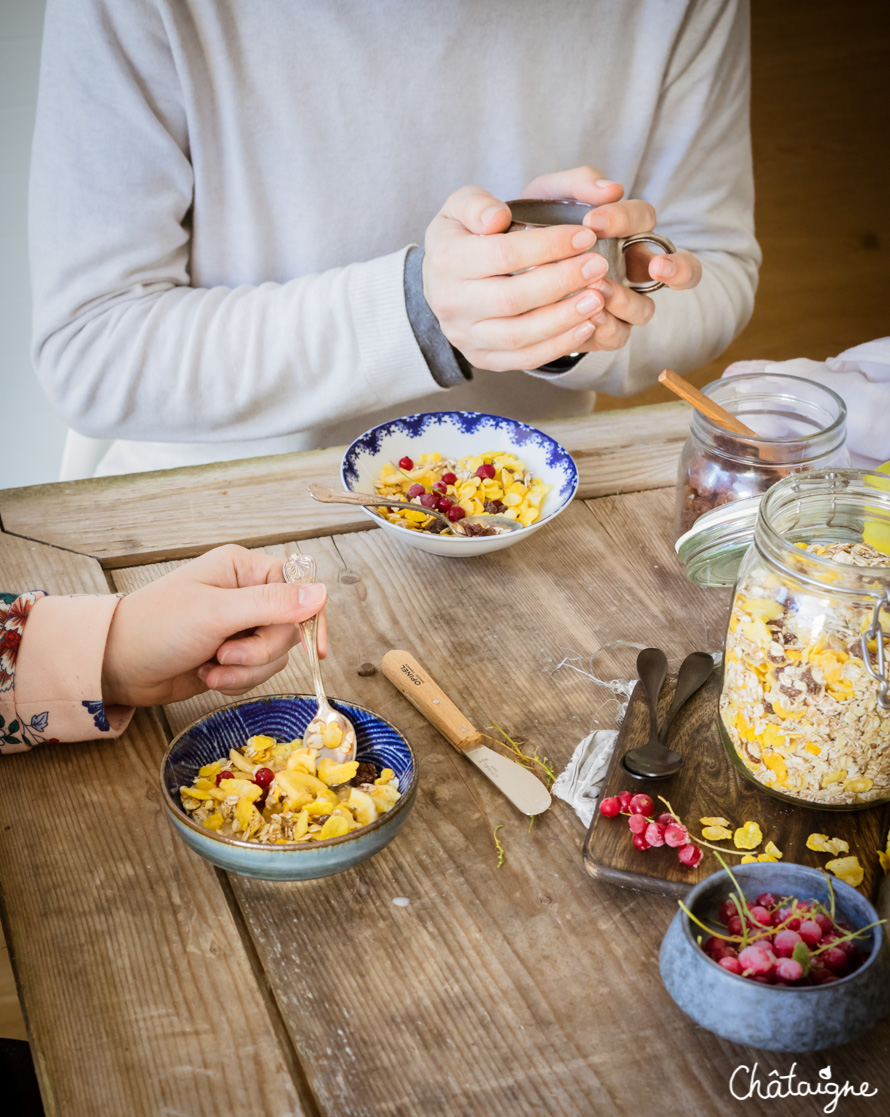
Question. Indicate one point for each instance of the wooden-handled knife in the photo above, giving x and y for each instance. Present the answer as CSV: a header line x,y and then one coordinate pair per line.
x,y
522,787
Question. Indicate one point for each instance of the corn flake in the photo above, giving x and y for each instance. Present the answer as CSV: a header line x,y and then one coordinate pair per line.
x,y
714,821
747,836
848,870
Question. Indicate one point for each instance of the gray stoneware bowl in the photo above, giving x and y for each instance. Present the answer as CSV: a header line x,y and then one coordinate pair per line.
x,y
284,717
774,1017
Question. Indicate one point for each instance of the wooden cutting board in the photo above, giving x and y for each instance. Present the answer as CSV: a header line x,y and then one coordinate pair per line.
x,y
709,784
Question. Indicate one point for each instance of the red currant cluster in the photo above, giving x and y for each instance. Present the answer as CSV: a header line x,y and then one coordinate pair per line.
x,y
665,830
783,941
262,777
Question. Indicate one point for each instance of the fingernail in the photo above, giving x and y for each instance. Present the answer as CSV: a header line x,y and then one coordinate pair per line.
x,y
605,287
604,183
588,304
665,267
584,238
229,658
583,331
311,595
488,215
595,267
599,222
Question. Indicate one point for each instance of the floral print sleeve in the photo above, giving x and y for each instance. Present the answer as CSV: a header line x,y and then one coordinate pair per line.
x,y
51,651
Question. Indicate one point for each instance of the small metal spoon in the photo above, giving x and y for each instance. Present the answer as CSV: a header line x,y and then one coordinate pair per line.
x,y
369,500
654,759
301,568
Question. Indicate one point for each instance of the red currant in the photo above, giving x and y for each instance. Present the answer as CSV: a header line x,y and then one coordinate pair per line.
x,y
789,970
810,932
610,807
676,835
440,487
727,911
734,924
624,798
733,965
689,855
640,842
654,833
449,478
642,804
429,500
416,490
456,513
226,775
406,463
445,502
761,916
785,942
486,471
263,776
766,900
638,823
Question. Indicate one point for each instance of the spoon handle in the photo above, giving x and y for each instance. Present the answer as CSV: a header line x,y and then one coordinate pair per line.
x,y
301,568
695,670
411,680
652,668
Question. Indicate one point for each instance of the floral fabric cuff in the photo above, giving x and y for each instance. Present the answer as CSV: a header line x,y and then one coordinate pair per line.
x,y
57,669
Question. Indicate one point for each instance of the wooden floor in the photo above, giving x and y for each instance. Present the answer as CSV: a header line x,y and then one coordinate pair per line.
x,y
820,121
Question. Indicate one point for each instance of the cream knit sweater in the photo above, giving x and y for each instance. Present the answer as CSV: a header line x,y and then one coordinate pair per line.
x,y
224,191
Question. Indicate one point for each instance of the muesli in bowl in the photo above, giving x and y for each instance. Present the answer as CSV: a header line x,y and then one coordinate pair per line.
x,y
492,484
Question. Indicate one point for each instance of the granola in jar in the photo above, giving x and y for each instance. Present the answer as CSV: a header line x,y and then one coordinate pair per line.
x,y
800,701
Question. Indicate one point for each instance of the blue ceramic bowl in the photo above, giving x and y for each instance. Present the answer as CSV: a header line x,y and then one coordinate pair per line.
x,y
776,1017
455,434
284,717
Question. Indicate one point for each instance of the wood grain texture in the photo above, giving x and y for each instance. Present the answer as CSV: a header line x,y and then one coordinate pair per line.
x,y
530,988
137,989
148,517
820,118
710,785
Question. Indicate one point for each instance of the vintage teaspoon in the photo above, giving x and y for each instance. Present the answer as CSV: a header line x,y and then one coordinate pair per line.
x,y
327,721
371,500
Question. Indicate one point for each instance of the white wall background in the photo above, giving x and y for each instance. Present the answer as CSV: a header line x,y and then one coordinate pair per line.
x,y
33,435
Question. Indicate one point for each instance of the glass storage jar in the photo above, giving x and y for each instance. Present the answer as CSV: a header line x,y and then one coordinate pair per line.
x,y
802,426
805,695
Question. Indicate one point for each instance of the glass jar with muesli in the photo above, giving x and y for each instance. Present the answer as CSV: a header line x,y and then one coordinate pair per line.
x,y
802,426
805,697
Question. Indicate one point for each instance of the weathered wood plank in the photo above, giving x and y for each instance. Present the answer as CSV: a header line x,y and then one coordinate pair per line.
x,y
148,517
139,994
527,989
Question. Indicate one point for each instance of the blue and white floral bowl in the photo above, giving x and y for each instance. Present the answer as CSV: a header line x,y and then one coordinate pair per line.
x,y
455,434
284,717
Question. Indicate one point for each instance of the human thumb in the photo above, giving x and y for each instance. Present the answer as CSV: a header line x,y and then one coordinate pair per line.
x,y
271,603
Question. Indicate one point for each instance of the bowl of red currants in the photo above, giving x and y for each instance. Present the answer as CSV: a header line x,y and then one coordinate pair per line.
x,y
778,957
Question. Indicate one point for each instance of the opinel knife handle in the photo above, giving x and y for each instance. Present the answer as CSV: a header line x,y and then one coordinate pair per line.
x,y
421,690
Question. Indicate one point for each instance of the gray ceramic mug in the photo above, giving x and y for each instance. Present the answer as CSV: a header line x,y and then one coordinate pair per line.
x,y
537,213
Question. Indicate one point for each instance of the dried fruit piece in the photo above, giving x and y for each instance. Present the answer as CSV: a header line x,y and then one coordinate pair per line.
x,y
773,850
818,842
716,833
747,836
848,870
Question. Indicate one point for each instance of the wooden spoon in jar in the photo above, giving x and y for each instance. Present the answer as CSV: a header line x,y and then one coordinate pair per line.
x,y
702,403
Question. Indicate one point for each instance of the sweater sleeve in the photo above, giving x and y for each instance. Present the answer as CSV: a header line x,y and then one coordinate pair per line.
x,y
697,172
124,345
51,651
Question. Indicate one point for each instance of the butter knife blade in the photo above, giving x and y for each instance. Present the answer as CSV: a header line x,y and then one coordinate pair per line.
x,y
522,787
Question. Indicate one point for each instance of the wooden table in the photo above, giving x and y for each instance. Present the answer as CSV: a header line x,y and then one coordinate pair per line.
x,y
154,984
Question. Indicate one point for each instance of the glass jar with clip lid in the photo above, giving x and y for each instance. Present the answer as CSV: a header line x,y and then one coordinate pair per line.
x,y
805,696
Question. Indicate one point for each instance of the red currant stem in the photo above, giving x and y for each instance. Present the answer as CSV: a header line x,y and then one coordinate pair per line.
x,y
845,938
830,893
722,849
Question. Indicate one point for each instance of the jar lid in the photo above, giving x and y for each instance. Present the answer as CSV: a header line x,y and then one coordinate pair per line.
x,y
713,548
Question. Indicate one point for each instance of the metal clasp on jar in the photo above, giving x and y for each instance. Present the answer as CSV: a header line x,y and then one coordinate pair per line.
x,y
875,632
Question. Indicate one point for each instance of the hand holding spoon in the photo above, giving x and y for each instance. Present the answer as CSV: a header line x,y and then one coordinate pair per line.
x,y
329,730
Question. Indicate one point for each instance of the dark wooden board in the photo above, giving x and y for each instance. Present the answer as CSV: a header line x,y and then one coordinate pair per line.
x,y
709,784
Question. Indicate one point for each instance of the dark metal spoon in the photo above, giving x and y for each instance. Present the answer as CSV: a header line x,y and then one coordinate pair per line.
x,y
654,760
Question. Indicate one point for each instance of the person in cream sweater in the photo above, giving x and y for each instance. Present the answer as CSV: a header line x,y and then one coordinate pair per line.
x,y
260,227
